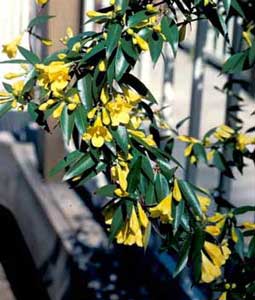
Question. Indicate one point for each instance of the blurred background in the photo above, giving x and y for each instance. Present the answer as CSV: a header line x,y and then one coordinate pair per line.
x,y
54,245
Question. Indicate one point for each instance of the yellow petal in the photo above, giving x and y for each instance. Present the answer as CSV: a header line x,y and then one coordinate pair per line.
x,y
97,141
58,111
176,191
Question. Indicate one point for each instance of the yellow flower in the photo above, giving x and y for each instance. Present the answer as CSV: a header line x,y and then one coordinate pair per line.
x,y
17,87
234,235
119,111
219,219
223,132
176,191
204,203
209,271
76,47
102,65
217,256
163,210
69,35
41,2
93,14
47,42
98,134
151,8
73,102
249,225
12,48
104,96
189,148
244,140
131,97
62,56
213,230
138,40
58,111
133,230
147,139
11,75
54,76
119,174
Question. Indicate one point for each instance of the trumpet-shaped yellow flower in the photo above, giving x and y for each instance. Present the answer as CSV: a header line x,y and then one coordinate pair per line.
x,y
58,111
163,210
132,233
11,75
68,36
209,270
204,203
176,191
119,174
104,96
219,219
223,132
54,76
217,256
12,48
17,87
119,111
98,134
47,42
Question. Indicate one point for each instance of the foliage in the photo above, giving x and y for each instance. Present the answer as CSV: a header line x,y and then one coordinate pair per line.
x,y
88,88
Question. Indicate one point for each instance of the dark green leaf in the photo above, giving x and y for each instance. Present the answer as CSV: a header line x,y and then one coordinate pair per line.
x,y
113,37
80,116
170,31
139,17
117,222
155,45
40,20
243,209
67,123
199,152
190,197
121,64
121,137
107,190
134,174
29,56
147,168
235,63
161,187
183,257
85,88
14,61
166,169
179,211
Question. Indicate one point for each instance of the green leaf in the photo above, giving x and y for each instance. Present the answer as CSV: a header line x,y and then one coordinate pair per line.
x,y
170,31
69,159
235,63
128,48
199,152
183,257
29,56
113,37
40,20
161,187
237,7
239,246
4,108
155,45
166,169
117,222
106,191
139,17
190,197
227,4
67,123
218,161
149,195
251,249
80,117
79,167
179,211
14,61
123,4
100,47
136,84
121,137
85,90
252,54
121,64
147,168
134,174
243,209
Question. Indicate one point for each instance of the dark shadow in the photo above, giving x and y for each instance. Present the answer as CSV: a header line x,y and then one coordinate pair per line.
x,y
17,261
